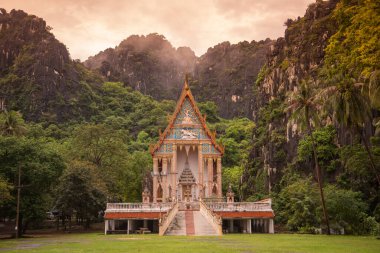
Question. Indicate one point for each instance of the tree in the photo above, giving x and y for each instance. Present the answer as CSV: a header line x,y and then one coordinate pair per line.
x,y
297,205
5,191
105,148
346,209
304,109
40,168
327,149
81,190
351,107
374,89
11,123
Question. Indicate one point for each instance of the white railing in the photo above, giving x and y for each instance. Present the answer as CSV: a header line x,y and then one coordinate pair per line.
x,y
213,218
138,207
239,206
167,219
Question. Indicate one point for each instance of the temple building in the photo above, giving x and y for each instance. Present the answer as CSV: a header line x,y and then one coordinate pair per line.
x,y
187,193
187,161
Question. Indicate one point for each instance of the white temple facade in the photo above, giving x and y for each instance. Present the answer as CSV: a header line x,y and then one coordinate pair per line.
x,y
187,161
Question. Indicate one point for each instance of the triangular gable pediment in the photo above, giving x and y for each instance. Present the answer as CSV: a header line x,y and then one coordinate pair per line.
x,y
187,114
187,123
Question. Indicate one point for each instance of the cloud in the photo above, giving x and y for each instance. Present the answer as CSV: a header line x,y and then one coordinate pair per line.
x,y
87,27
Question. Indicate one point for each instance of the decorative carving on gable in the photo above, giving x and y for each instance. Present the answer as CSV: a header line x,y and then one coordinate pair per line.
x,y
187,123
188,134
165,148
209,149
187,114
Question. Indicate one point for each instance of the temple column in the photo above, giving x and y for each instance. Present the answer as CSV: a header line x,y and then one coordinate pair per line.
x,y
164,179
145,224
174,171
249,226
200,171
271,226
219,176
210,176
105,226
155,183
112,225
231,230
128,226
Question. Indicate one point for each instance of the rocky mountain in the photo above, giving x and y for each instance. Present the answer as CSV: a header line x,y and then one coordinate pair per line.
x,y
226,73
297,56
37,75
150,64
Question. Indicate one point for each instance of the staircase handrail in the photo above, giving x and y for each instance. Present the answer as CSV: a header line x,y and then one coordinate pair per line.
x,y
167,219
214,219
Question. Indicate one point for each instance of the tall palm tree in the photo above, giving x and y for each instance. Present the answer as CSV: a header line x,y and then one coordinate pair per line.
x,y
304,108
350,102
11,123
374,89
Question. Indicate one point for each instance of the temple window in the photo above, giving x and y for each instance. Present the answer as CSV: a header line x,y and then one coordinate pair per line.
x,y
160,166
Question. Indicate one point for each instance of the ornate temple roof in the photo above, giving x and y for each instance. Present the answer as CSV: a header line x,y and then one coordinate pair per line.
x,y
185,98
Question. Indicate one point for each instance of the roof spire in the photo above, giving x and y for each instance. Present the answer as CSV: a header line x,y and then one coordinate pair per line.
x,y
186,82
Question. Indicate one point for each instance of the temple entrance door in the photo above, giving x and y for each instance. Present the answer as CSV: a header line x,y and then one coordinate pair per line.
x,y
186,193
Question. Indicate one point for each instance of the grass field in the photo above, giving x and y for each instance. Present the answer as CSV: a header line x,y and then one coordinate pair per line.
x,y
96,242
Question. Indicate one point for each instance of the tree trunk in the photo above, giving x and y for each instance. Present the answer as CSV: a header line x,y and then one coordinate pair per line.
x,y
20,228
370,156
318,172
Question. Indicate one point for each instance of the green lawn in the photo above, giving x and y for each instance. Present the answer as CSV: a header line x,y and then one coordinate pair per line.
x,y
96,242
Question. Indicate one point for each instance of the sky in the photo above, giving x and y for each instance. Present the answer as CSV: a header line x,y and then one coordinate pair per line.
x,y
89,26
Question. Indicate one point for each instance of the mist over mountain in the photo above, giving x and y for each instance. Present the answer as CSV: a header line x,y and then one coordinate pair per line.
x,y
151,65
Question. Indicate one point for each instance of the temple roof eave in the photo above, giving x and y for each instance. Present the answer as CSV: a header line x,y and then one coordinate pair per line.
x,y
186,93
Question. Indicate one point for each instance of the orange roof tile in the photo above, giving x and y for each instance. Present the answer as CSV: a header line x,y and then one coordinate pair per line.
x,y
133,215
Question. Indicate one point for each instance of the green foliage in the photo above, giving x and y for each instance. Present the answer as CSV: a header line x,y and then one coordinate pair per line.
x,y
327,150
40,168
347,210
262,74
232,176
296,206
5,191
12,123
354,50
357,173
139,164
81,191
211,110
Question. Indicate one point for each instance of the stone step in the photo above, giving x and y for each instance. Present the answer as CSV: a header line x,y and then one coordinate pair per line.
x,y
189,218
177,226
190,222
202,225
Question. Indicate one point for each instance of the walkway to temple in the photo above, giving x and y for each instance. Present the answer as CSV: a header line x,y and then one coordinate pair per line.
x,y
190,222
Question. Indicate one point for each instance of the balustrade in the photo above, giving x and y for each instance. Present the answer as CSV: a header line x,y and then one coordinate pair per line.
x,y
138,207
238,206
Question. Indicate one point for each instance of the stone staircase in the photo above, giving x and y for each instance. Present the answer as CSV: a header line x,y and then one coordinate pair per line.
x,y
190,222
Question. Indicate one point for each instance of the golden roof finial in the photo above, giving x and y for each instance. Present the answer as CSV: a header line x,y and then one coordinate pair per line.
x,y
186,82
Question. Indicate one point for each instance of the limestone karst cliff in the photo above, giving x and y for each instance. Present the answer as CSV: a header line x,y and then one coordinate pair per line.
x,y
150,64
298,55
38,77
